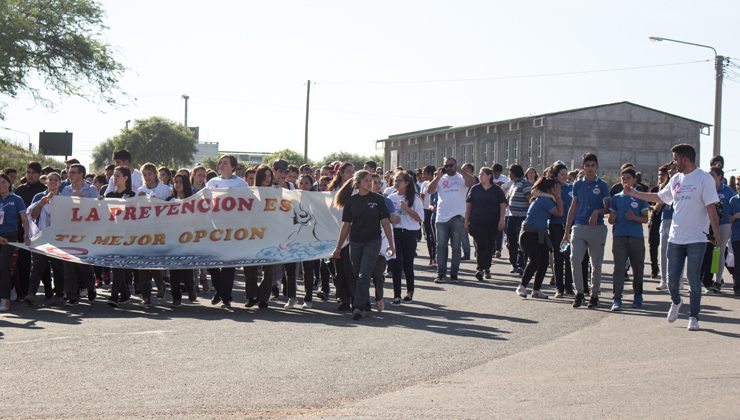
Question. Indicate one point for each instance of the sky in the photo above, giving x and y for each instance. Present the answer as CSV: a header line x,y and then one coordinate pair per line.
x,y
385,67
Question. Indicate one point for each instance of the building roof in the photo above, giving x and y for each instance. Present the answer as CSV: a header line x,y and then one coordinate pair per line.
x,y
567,111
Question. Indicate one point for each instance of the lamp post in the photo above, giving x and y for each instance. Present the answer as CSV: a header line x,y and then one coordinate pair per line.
x,y
186,97
719,62
30,146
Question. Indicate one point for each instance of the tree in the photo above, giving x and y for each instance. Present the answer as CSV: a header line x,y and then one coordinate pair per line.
x,y
290,156
357,160
14,156
56,44
155,139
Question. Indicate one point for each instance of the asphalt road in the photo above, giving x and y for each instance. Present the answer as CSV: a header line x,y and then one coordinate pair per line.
x,y
466,350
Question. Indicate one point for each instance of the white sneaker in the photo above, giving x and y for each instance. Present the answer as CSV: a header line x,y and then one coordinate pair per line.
x,y
291,303
693,324
661,286
673,312
13,295
307,305
521,291
538,294
4,305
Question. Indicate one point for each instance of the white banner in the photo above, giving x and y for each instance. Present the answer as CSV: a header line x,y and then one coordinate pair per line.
x,y
213,228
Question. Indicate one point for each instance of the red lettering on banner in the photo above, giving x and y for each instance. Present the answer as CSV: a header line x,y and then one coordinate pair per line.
x,y
204,205
173,210
130,213
93,216
216,204
114,212
228,203
158,209
75,214
245,204
144,212
188,206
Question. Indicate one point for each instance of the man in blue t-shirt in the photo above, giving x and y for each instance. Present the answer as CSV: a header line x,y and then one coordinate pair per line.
x,y
628,214
586,217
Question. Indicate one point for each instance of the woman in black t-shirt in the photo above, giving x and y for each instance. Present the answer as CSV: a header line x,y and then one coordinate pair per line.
x,y
120,291
363,216
181,190
484,219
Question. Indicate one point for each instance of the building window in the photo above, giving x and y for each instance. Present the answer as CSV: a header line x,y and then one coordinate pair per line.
x,y
412,160
413,141
394,159
450,136
515,153
429,157
491,129
538,122
539,150
507,152
493,153
470,132
513,126
467,153
486,153
530,152
449,152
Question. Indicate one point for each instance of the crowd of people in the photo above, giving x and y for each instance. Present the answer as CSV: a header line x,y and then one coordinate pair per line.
x,y
556,220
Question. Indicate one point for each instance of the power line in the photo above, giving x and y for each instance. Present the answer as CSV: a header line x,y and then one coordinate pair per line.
x,y
528,76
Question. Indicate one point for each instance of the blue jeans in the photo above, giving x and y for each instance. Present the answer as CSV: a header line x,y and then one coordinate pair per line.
x,y
677,255
451,230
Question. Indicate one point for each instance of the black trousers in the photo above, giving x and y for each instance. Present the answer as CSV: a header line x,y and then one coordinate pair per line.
x,y
144,282
121,284
654,244
539,259
39,269
563,270
379,277
344,281
517,257
405,242
22,271
75,277
430,234
181,277
485,234
310,274
254,290
223,281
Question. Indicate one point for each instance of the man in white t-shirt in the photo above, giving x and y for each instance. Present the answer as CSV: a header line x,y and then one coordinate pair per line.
x,y
693,195
123,158
452,188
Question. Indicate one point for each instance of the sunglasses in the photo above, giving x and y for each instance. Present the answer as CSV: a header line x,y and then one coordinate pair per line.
x,y
451,165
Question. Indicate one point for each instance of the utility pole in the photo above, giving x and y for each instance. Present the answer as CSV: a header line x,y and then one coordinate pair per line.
x,y
127,121
720,68
186,97
308,101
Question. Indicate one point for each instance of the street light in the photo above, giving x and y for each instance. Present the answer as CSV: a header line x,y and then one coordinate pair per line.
x,y
720,72
30,146
186,97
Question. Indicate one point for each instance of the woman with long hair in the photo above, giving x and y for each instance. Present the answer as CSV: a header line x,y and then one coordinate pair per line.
x,y
363,215
341,176
409,209
181,190
531,175
562,268
535,240
259,293
121,288
484,219
198,178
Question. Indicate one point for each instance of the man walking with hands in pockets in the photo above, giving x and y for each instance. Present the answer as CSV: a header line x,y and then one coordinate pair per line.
x,y
694,196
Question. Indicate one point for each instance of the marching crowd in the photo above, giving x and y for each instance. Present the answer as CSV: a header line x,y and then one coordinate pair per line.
x,y
556,220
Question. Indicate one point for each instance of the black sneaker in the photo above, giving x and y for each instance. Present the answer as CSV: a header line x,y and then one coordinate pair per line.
x,y
343,307
593,302
251,302
275,291
465,257
146,300
71,302
192,296
479,275
226,304
487,274
215,299
124,301
569,292
440,280
356,314
409,297
112,303
262,304
160,294
453,277
578,301
91,295
396,301
29,300
176,303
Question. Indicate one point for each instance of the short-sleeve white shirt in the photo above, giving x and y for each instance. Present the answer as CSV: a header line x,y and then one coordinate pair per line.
x,y
690,195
